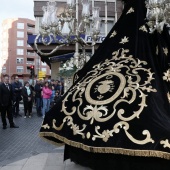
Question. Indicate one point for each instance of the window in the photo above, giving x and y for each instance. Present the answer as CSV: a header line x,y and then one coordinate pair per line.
x,y
43,69
20,34
30,53
20,42
30,61
20,60
30,27
20,25
20,69
4,70
20,51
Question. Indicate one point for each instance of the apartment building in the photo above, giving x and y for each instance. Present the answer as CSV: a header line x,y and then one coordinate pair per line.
x,y
16,54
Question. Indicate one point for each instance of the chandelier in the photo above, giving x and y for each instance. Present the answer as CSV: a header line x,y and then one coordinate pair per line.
x,y
52,27
158,14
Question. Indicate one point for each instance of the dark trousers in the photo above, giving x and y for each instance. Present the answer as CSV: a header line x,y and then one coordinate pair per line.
x,y
38,105
27,107
6,110
16,106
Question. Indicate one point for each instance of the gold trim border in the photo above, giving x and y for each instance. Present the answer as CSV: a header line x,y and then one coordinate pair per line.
x,y
122,151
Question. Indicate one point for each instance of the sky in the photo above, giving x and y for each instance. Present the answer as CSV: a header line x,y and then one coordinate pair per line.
x,y
16,9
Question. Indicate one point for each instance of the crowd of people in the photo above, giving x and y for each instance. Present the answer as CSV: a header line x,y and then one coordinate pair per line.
x,y
44,94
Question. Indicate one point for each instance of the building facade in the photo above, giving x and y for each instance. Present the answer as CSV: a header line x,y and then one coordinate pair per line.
x,y
16,54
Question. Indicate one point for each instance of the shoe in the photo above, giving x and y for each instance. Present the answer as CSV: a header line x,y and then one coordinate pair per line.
x,y
14,126
25,117
4,127
29,116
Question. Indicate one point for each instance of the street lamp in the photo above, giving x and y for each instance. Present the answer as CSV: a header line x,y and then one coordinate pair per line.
x,y
52,28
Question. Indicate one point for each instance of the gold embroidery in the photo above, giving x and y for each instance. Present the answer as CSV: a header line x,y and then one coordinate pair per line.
x,y
106,134
115,81
95,113
124,40
114,33
88,135
74,127
130,10
157,50
168,95
165,50
46,126
165,143
132,152
166,76
143,28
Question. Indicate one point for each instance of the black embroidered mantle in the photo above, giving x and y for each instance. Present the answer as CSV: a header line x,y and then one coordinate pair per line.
x,y
119,102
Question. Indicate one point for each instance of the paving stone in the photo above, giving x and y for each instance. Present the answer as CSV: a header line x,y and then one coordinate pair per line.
x,y
24,140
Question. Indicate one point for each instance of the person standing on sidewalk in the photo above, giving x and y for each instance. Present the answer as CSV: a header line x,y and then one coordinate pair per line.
x,y
38,98
27,99
46,95
17,88
6,96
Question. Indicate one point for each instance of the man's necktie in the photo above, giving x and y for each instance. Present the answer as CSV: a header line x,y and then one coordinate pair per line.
x,y
7,86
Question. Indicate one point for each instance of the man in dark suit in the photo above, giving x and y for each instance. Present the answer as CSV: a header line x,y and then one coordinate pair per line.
x,y
6,96
17,88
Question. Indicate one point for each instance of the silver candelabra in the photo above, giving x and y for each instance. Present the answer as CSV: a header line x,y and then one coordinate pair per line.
x,y
158,14
52,27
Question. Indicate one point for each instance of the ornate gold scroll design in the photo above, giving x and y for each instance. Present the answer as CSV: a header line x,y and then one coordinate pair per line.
x,y
165,50
74,127
124,40
106,134
114,33
46,126
165,143
168,95
131,10
112,82
166,76
143,28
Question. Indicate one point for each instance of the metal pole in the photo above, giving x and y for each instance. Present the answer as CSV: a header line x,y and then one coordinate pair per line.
x,y
76,54
105,17
92,40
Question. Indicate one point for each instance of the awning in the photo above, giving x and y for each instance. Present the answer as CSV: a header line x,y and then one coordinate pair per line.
x,y
63,57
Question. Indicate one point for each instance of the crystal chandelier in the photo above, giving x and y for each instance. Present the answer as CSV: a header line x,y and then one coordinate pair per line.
x,y
52,27
158,14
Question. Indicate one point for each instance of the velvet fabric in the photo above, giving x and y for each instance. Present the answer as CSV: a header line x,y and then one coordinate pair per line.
x,y
119,101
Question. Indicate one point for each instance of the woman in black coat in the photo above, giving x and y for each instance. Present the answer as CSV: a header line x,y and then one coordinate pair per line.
x,y
27,99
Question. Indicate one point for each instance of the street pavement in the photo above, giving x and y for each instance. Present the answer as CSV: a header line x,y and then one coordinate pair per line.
x,y
22,148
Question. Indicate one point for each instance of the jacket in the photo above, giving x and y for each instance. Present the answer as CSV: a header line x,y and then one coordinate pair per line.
x,y
38,90
25,95
6,95
46,93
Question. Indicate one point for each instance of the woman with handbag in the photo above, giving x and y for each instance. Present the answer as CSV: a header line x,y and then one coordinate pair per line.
x,y
27,99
